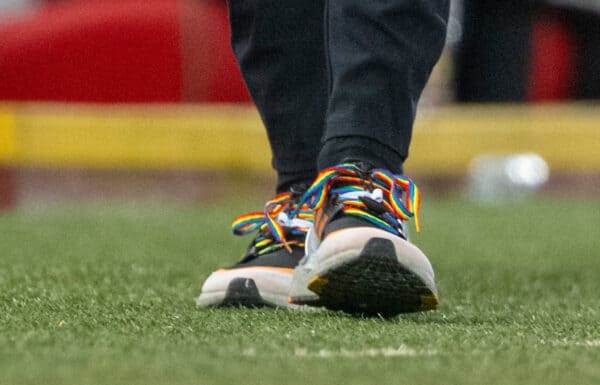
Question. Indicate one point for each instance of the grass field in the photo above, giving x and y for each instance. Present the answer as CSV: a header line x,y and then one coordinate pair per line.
x,y
103,294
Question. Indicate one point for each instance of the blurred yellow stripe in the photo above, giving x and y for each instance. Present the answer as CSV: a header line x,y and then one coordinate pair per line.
x,y
7,139
567,136
140,137
232,137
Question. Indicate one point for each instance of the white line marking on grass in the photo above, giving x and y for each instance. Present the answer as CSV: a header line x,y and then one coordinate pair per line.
x,y
586,343
401,351
250,352
385,352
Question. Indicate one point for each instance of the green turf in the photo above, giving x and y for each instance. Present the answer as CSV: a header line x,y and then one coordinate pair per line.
x,y
103,294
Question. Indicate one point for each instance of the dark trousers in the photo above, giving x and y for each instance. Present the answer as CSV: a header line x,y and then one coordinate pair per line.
x,y
336,79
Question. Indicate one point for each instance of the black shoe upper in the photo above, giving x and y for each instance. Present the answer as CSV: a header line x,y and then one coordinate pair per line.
x,y
266,250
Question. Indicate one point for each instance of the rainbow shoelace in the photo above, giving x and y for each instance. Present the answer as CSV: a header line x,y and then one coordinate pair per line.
x,y
274,222
397,196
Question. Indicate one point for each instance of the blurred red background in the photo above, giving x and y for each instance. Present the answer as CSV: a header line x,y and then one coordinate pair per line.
x,y
120,51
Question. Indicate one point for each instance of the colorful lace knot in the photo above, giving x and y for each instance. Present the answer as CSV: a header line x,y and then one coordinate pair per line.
x,y
396,197
279,214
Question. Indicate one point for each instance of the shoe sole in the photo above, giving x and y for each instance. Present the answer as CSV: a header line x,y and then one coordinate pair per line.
x,y
373,283
250,287
242,292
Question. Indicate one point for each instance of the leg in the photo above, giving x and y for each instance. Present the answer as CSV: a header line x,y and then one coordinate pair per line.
x,y
279,47
380,55
280,50
359,259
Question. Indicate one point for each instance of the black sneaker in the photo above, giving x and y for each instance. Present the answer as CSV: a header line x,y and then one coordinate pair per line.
x,y
359,259
264,275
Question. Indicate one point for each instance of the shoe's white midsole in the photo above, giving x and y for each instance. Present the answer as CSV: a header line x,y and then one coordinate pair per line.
x,y
272,283
345,245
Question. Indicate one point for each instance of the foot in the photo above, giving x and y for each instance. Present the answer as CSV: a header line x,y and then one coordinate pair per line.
x,y
263,276
358,257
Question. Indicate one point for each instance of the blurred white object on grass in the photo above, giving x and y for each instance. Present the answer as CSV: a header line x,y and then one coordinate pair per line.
x,y
497,179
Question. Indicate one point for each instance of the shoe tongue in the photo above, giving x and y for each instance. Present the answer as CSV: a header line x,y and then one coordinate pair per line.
x,y
361,165
325,215
297,190
364,168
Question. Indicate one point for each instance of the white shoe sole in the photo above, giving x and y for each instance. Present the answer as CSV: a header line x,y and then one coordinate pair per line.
x,y
250,286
